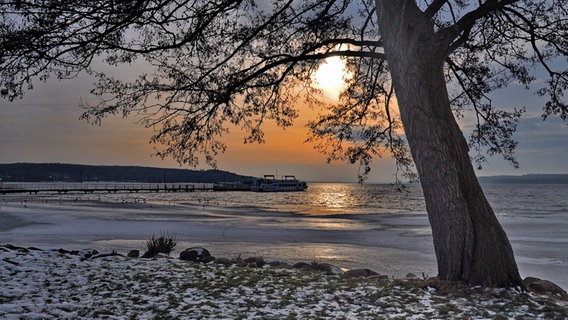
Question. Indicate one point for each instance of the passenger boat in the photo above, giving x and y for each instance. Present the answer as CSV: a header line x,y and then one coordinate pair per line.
x,y
270,184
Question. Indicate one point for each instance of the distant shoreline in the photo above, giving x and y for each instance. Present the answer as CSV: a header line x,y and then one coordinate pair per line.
x,y
62,172
526,179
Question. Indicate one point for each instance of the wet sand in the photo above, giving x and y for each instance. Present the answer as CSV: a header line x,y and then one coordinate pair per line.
x,y
389,244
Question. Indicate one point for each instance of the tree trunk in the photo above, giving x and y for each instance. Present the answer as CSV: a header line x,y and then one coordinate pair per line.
x,y
470,243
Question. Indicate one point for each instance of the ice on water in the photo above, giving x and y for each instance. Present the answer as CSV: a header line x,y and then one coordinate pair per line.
x,y
350,225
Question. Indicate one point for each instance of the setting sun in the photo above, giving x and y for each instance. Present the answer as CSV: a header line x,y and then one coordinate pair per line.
x,y
330,76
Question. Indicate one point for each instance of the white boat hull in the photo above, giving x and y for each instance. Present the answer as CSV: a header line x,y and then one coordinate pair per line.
x,y
270,184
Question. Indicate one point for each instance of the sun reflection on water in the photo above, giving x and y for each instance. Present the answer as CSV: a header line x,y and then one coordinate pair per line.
x,y
338,198
327,253
333,200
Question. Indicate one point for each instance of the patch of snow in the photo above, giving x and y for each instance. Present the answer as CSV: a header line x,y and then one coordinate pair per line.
x,y
54,285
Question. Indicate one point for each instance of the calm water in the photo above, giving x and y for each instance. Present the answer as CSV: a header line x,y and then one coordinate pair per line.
x,y
341,198
529,200
519,200
328,198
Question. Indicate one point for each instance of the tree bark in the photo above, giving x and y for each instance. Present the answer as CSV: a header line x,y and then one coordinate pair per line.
x,y
470,244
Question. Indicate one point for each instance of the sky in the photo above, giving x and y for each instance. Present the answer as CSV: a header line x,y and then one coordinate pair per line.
x,y
45,127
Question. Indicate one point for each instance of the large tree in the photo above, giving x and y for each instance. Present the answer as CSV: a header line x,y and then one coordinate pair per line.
x,y
414,66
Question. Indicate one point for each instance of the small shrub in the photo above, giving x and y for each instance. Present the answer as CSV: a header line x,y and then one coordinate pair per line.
x,y
163,244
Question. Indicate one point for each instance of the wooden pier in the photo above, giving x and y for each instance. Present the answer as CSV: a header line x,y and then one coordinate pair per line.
x,y
65,188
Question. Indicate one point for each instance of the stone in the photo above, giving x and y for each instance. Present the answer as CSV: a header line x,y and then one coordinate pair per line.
x,y
15,248
281,264
303,265
224,261
86,253
529,280
196,254
257,262
360,273
411,276
208,259
134,253
540,286
330,269
326,268
63,251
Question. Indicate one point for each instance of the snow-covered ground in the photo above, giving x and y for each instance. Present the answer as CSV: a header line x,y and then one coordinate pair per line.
x,y
49,284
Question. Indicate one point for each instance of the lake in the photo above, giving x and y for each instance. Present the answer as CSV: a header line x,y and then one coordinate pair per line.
x,y
350,225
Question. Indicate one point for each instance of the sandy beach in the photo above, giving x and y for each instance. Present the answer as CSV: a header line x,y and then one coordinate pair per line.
x,y
390,244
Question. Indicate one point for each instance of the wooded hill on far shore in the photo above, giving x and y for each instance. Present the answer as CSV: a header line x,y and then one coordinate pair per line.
x,y
527,179
48,172
52,172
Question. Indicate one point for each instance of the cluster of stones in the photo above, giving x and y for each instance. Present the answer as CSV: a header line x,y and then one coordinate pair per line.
x,y
202,255
541,286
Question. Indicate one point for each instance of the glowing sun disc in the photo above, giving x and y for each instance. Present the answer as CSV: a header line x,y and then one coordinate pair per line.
x,y
330,76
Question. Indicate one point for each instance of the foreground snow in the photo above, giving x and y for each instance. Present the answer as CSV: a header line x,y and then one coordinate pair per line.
x,y
53,285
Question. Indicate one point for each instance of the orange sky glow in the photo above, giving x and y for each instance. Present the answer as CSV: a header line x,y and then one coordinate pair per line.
x,y
45,127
